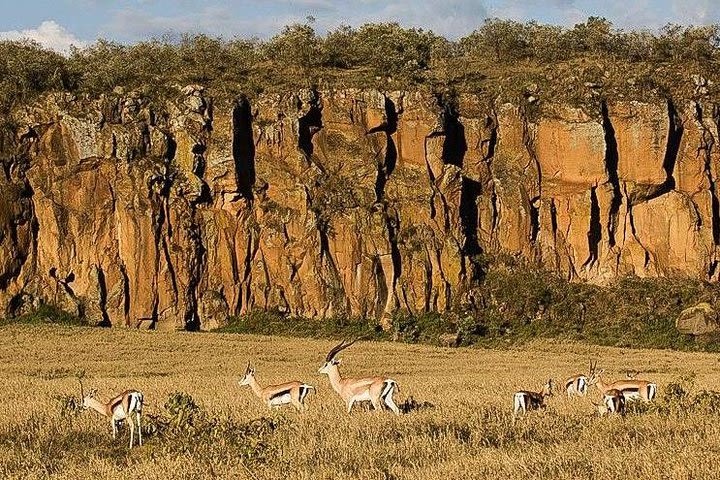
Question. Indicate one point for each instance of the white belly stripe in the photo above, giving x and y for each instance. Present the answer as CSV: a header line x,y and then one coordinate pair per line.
x,y
119,412
361,397
280,399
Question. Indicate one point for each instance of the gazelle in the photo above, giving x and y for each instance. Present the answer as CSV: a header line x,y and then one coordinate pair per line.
x,y
119,408
525,400
576,386
277,395
613,401
631,389
378,390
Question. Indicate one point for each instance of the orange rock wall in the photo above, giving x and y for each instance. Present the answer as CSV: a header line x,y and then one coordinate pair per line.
x,y
350,202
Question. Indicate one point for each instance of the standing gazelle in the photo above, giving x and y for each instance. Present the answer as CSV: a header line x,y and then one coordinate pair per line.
x,y
377,390
119,408
525,400
631,389
277,395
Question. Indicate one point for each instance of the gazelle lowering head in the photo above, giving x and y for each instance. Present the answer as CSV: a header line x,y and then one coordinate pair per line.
x,y
631,389
277,395
378,390
121,407
613,401
525,400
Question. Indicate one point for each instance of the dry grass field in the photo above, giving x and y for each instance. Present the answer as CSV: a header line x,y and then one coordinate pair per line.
x,y
466,432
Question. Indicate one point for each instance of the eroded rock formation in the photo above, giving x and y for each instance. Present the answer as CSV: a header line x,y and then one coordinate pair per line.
x,y
340,202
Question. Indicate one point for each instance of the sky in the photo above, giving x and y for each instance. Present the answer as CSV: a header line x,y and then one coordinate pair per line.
x,y
57,24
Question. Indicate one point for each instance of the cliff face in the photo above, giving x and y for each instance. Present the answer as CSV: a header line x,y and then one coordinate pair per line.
x,y
345,202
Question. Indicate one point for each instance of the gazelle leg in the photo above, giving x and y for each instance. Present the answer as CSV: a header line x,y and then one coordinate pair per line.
x,y
390,403
113,424
131,424
139,428
350,405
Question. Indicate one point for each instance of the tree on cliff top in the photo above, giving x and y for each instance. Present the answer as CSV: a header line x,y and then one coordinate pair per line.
x,y
26,70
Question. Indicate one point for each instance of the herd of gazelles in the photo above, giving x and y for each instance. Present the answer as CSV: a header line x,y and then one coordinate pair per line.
x,y
128,405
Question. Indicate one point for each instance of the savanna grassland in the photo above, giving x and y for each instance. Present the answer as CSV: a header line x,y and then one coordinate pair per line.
x,y
458,423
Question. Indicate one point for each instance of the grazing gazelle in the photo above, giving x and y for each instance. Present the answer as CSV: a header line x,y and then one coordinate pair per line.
x,y
378,390
277,395
119,408
613,401
525,400
576,385
631,389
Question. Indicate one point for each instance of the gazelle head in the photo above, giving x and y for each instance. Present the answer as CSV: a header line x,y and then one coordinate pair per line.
x,y
548,388
602,408
88,397
85,399
594,373
330,360
249,375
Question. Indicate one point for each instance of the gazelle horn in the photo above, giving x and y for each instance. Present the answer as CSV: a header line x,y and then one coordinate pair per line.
x,y
340,347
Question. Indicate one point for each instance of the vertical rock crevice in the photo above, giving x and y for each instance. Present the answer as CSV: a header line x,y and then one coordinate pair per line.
x,y
387,165
707,143
126,293
631,220
309,124
455,145
243,147
102,298
533,203
594,234
431,177
611,167
197,264
491,123
469,215
675,133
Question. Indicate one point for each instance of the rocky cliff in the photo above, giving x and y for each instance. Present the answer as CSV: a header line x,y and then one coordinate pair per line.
x,y
180,214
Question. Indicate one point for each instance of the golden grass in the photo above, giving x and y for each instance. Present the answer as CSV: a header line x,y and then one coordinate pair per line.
x,y
467,434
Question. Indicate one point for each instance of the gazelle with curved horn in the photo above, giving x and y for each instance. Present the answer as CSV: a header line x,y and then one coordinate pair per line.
x,y
525,400
631,389
277,395
378,390
119,408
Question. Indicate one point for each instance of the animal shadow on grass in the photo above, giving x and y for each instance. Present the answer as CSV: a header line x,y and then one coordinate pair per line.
x,y
411,405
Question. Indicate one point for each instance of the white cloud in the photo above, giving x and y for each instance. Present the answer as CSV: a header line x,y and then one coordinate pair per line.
x,y
135,24
49,34
648,14
453,18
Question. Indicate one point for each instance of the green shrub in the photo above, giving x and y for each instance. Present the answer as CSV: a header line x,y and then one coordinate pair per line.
x,y
184,426
47,313
707,401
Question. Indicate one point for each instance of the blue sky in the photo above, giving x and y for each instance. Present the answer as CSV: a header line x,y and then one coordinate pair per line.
x,y
58,23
